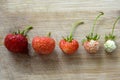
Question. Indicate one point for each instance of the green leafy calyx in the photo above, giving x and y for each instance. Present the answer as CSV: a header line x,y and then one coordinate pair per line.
x,y
24,31
93,36
111,36
70,37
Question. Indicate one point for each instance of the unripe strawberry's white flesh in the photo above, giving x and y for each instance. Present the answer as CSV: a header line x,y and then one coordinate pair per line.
x,y
110,46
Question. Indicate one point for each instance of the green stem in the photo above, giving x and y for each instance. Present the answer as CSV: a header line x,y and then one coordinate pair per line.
x,y
115,24
101,13
49,34
26,30
76,24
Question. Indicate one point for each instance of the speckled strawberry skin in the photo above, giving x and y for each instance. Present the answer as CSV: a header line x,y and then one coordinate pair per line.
x,y
91,48
16,43
69,47
43,45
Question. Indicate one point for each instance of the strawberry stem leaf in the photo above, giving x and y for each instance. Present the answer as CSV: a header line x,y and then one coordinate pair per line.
x,y
84,40
74,26
111,36
49,34
26,30
95,21
115,24
93,36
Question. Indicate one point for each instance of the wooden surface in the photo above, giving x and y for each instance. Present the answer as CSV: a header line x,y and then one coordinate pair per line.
x,y
57,16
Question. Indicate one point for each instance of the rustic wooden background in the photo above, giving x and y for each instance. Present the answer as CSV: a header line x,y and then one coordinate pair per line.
x,y
57,16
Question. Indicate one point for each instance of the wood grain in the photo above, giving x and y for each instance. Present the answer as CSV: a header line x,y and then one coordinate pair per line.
x,y
57,16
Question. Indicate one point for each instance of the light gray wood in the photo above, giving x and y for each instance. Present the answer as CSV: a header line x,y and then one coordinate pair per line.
x,y
57,16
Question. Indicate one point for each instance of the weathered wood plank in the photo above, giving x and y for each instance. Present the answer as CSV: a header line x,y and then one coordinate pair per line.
x,y
57,17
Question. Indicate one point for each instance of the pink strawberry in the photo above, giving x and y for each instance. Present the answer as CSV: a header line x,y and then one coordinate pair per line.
x,y
91,46
43,45
17,42
69,45
91,43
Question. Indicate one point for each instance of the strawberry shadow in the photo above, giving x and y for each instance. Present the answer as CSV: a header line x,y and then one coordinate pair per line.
x,y
72,58
20,63
95,58
111,59
72,63
44,64
113,55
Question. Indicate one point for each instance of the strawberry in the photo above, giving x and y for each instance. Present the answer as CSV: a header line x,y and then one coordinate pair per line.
x,y
91,46
69,45
43,45
91,43
110,44
17,42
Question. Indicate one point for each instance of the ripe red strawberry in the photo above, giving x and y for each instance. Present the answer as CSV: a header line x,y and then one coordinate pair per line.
x,y
91,43
43,45
69,45
17,42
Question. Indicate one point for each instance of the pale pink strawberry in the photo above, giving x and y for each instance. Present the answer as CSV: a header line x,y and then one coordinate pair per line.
x,y
91,46
91,43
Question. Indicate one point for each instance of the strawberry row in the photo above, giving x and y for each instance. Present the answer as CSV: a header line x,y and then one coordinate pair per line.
x,y
17,42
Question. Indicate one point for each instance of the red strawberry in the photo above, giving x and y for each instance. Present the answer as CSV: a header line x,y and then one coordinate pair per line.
x,y
69,45
17,42
43,45
91,43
